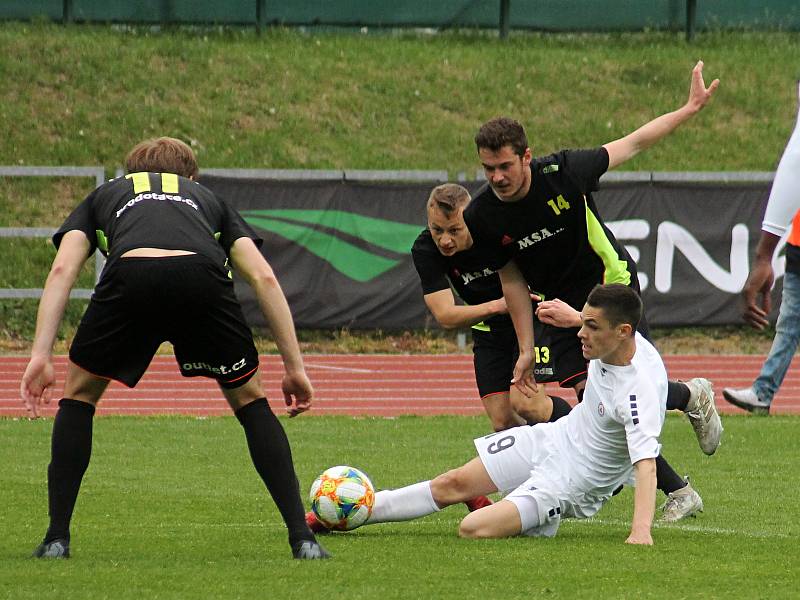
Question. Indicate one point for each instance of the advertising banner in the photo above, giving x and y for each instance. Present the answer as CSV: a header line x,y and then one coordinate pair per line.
x,y
341,249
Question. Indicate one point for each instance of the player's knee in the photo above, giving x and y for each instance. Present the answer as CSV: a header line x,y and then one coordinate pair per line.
x,y
533,410
471,528
450,488
475,526
244,394
503,422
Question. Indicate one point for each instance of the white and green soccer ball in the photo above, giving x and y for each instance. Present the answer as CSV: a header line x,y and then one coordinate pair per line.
x,y
342,498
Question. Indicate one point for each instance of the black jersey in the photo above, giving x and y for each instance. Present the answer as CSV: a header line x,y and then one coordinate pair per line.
x,y
554,234
465,271
157,210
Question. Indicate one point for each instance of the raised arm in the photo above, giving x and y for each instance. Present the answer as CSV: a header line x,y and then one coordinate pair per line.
x,y
39,375
450,315
644,502
253,267
518,301
629,146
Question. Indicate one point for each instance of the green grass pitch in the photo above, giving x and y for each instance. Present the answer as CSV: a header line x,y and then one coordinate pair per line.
x,y
172,508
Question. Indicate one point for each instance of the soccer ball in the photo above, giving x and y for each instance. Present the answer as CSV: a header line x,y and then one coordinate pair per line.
x,y
342,498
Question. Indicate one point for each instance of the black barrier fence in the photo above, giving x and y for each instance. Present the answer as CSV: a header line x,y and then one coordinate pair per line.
x,y
341,248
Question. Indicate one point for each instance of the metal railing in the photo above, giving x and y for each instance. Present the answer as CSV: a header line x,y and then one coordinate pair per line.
x,y
436,176
99,175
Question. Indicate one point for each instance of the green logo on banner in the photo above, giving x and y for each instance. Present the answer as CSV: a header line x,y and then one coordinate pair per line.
x,y
302,227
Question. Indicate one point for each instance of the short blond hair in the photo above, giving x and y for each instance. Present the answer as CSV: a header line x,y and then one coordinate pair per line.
x,y
448,198
162,155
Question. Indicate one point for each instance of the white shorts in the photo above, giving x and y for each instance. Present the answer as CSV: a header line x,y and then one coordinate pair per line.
x,y
522,459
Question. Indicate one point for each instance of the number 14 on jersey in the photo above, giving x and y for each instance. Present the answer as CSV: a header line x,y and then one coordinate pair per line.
x,y
558,204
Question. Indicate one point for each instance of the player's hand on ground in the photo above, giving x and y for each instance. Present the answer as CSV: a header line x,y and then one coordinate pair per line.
x,y
297,393
640,538
558,314
699,94
37,380
757,293
523,374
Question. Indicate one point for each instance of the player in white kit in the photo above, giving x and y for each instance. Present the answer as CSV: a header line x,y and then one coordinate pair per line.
x,y
570,467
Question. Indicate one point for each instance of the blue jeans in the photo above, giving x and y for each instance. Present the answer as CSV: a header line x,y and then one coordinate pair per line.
x,y
787,337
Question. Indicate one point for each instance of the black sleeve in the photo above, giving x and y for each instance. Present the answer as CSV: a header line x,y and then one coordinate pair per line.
x,y
235,227
430,267
585,167
82,219
494,253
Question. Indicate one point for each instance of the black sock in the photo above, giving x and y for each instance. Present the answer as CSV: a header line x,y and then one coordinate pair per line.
x,y
677,395
272,458
70,451
560,408
667,480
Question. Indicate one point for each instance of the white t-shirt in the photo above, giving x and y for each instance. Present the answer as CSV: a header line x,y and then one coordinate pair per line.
x,y
783,200
616,425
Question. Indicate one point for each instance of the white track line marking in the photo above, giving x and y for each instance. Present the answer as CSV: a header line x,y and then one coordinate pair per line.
x,y
332,368
686,527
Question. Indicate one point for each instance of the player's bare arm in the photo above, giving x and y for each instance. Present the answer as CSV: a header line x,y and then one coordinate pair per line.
x,y
644,500
558,313
39,375
253,267
757,291
518,300
450,315
623,149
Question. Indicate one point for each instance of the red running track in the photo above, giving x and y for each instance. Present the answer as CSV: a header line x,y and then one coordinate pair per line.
x,y
366,384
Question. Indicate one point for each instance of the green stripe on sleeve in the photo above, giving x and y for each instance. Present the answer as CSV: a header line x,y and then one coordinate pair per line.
x,y
616,270
481,326
102,240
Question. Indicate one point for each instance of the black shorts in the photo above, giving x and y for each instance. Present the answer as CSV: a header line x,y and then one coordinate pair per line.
x,y
186,300
558,357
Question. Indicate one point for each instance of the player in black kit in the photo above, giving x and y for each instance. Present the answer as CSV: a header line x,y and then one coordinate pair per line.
x,y
448,262
541,229
168,241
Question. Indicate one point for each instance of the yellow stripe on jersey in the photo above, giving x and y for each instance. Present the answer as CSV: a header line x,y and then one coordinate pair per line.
x,y
169,183
616,270
481,326
141,182
102,240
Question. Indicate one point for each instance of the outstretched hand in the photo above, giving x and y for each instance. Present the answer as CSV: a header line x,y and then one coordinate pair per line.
x,y
699,94
757,294
297,393
37,380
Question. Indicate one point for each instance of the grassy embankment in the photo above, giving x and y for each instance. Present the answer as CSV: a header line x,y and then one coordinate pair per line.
x,y
83,95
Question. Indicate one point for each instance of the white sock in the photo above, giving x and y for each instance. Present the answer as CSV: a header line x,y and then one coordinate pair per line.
x,y
404,504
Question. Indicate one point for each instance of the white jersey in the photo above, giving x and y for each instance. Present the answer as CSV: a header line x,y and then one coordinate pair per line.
x,y
783,198
572,466
617,424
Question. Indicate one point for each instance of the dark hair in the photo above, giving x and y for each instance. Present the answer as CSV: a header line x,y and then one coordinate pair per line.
x,y
162,155
448,198
502,131
620,303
